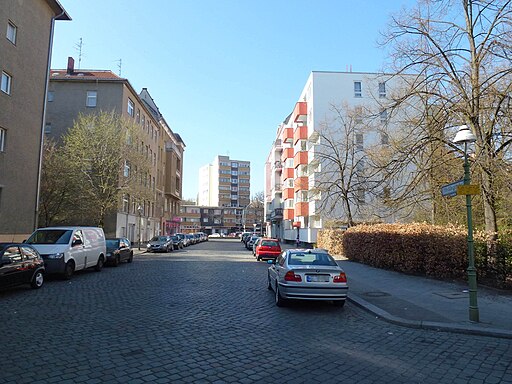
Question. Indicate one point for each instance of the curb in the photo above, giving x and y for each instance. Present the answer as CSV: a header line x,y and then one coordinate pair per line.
x,y
430,325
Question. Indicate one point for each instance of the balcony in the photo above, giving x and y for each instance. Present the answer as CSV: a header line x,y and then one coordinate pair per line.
x,y
300,158
302,209
287,154
288,214
288,193
278,145
287,135
288,173
301,183
301,133
300,111
276,214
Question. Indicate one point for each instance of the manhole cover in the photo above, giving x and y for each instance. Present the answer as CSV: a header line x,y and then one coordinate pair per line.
x,y
453,295
376,294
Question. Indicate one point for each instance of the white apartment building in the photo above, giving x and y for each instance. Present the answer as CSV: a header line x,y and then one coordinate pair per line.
x,y
225,183
321,149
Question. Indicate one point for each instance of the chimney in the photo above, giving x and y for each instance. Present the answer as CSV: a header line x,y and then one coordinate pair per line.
x,y
71,66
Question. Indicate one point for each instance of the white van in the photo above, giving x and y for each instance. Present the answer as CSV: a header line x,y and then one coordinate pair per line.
x,y
69,249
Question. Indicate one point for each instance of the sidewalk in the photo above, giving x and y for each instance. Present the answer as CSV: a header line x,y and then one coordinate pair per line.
x,y
422,302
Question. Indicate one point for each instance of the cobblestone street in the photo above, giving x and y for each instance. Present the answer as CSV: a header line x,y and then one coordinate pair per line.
x,y
204,315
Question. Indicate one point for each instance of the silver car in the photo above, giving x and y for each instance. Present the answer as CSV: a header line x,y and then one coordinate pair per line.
x,y
307,274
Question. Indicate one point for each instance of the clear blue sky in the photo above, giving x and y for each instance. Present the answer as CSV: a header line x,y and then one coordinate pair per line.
x,y
224,73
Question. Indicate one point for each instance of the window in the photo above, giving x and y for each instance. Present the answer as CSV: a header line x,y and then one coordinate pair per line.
x,y
3,133
91,99
234,165
51,96
383,116
138,116
382,90
131,108
360,195
384,138
386,193
358,89
359,141
126,168
11,32
5,86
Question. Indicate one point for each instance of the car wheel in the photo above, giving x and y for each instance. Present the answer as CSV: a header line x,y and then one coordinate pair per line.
x,y
280,302
37,280
116,261
269,283
130,259
258,258
99,264
339,303
69,270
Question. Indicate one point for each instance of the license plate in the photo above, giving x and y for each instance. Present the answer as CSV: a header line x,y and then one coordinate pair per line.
x,y
317,278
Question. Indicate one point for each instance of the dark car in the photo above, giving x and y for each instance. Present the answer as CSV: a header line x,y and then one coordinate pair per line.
x,y
20,264
160,244
118,249
177,242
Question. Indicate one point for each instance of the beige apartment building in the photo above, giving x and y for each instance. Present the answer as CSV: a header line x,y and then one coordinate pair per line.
x,y
25,52
72,92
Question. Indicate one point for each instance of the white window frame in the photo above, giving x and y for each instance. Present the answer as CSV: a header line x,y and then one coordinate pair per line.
x,y
91,99
3,135
126,171
6,83
130,108
382,90
383,116
358,89
12,31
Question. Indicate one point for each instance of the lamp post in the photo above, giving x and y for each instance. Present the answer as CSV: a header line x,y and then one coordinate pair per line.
x,y
139,210
464,135
254,228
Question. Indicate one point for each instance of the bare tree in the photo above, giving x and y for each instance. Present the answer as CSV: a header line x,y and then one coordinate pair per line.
x,y
460,52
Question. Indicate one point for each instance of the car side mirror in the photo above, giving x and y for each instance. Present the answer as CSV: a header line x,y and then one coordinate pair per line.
x,y
76,242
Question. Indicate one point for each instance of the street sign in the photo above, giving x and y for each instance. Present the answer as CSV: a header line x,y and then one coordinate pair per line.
x,y
450,190
470,189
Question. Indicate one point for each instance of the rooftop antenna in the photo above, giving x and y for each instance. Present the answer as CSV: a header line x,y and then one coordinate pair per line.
x,y
78,47
119,65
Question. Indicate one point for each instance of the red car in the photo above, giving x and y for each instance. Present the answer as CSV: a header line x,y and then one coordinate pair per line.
x,y
268,249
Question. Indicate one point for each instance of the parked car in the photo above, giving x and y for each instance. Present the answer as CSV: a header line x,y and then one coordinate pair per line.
x,y
214,235
267,249
20,264
307,274
254,245
160,244
251,241
191,239
244,236
119,249
69,249
177,242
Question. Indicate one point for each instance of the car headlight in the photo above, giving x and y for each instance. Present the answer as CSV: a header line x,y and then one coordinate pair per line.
x,y
56,256
109,254
148,245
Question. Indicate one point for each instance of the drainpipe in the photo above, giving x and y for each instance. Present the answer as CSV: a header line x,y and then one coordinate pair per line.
x,y
43,118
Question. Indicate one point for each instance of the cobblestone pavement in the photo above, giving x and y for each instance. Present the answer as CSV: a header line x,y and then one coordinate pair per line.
x,y
204,315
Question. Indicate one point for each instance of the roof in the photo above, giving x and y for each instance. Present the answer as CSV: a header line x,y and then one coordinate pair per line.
x,y
58,9
85,74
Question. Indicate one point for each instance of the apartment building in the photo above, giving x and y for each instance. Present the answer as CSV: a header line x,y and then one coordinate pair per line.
x,y
72,92
338,119
25,53
223,220
225,183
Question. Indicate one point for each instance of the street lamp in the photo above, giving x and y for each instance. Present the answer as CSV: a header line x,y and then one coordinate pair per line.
x,y
464,135
139,210
254,228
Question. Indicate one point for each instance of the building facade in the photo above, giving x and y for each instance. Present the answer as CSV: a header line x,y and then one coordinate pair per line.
x,y
225,183
25,53
72,92
346,108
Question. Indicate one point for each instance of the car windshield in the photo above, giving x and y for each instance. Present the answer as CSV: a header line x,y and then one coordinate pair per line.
x,y
112,243
175,238
159,238
311,259
269,243
50,236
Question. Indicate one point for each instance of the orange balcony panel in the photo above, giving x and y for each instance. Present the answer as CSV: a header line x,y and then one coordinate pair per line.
x,y
287,135
301,109
287,154
301,183
300,158
288,193
301,133
302,209
287,173
288,214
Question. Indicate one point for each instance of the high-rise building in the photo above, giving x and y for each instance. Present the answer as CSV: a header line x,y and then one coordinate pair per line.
x,y
25,53
225,183
317,169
